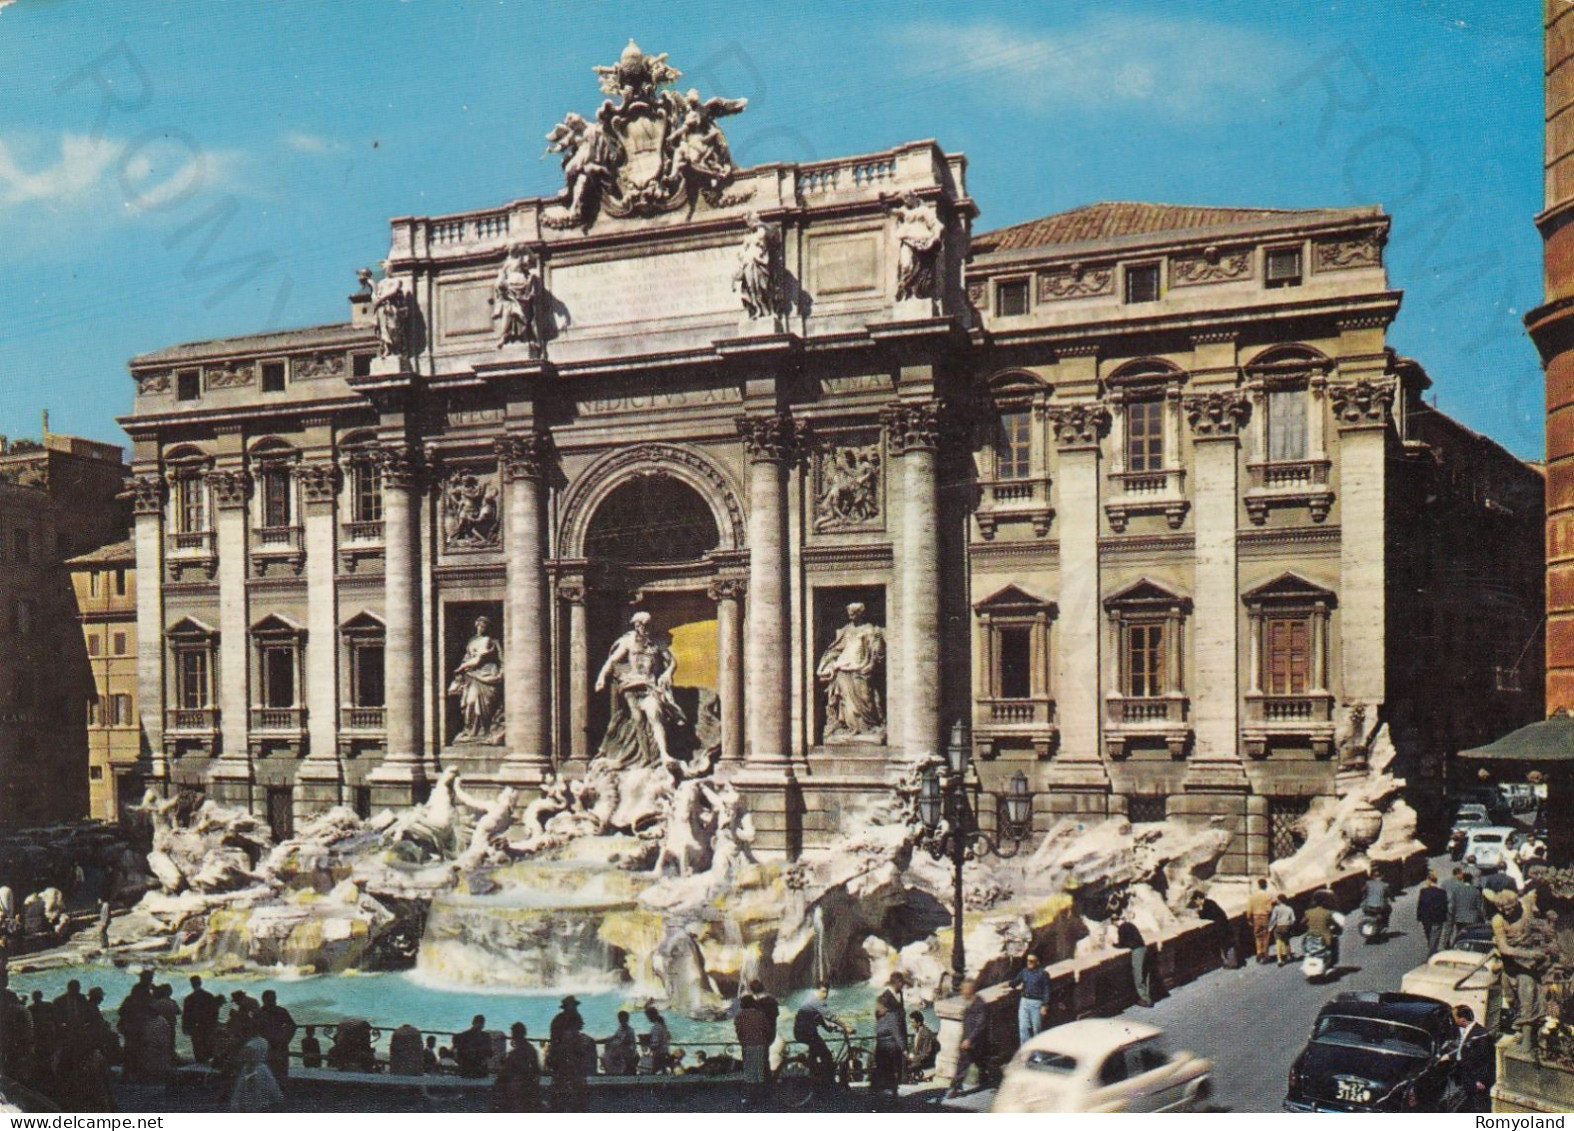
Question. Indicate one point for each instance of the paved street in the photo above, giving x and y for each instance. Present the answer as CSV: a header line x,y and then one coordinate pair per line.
x,y
1252,1022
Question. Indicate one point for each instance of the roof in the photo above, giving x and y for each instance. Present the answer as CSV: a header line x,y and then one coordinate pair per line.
x,y
1110,219
275,340
1405,1008
1092,1036
113,554
1551,740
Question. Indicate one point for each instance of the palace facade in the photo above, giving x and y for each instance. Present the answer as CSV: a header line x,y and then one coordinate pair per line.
x,y
1129,489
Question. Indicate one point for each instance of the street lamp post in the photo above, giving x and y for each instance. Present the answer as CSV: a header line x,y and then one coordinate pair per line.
x,y
951,828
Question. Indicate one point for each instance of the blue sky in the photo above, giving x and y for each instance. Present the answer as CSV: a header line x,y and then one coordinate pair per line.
x,y
176,170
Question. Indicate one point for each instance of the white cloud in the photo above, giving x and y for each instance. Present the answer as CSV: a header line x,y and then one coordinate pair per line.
x,y
303,142
1185,67
90,174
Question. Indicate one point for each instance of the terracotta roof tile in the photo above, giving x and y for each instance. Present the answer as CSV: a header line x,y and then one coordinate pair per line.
x,y
125,551
1109,219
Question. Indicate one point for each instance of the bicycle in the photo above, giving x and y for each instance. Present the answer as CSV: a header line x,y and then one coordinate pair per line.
x,y
796,1085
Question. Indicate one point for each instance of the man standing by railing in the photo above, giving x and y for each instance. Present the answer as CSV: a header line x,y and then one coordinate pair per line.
x,y
1033,1006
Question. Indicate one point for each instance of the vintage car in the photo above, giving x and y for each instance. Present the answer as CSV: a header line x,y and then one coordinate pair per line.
x,y
1378,1052
1460,977
1102,1065
1486,846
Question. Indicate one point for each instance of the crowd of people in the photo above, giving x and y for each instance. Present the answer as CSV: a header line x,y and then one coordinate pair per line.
x,y
64,1048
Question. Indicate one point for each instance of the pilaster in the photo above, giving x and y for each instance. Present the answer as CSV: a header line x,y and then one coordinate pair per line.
x,y
148,508
728,594
1216,419
1079,765
319,779
230,488
1362,411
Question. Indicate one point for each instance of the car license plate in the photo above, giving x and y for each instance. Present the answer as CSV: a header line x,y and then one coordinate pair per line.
x,y
1352,1091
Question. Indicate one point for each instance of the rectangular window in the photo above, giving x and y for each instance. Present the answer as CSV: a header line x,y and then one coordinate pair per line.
x,y
1016,663
1283,267
275,497
119,641
122,710
273,376
191,503
92,583
1288,656
1145,436
92,712
192,687
1286,425
188,385
92,645
1014,445
95,773
22,545
1144,660
278,676
1142,283
120,583
1011,297
366,502
366,675
361,365
361,799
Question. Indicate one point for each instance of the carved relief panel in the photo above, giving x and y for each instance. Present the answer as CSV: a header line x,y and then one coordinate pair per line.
x,y
849,483
472,514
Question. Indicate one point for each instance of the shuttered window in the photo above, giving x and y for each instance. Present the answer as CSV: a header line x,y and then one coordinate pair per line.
x,y
1288,659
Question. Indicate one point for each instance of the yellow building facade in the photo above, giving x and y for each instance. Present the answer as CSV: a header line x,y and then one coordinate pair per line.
x,y
104,583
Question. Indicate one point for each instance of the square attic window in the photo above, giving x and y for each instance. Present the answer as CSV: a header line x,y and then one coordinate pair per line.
x,y
273,376
1011,297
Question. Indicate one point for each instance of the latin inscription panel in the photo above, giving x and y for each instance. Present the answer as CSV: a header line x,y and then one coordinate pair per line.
x,y
844,264
678,284
464,311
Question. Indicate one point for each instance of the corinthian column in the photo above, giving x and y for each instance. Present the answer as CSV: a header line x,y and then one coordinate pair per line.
x,y
728,594
771,442
527,705
913,435
401,764
229,488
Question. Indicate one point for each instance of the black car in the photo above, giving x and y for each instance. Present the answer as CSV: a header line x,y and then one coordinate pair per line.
x,y
1378,1052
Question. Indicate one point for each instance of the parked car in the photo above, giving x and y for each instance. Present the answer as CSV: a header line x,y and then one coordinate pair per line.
x,y
1099,1065
1476,939
1461,977
1469,816
1378,1052
1485,846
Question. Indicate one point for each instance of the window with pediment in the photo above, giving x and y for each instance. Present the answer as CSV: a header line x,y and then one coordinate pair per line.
x,y
1144,397
1289,465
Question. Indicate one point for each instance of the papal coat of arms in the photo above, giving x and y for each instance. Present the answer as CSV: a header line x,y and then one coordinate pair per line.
x,y
653,150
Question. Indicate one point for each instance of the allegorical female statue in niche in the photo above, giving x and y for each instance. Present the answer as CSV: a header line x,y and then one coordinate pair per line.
x,y
850,669
643,708
478,682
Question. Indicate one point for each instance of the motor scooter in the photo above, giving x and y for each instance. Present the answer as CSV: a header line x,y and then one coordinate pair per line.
x,y
1374,924
1315,958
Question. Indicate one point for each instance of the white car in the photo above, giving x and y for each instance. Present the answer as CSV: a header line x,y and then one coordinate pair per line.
x,y
1485,846
1461,977
1099,1065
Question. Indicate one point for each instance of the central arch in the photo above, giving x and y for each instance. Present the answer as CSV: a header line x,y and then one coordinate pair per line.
x,y
651,462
